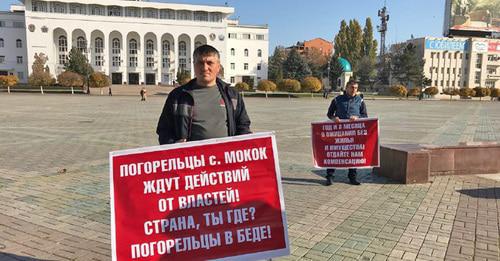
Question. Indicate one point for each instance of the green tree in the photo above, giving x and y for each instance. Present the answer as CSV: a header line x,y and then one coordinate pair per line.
x,y
40,75
183,77
275,68
407,66
336,70
466,92
495,93
78,63
295,67
367,72
341,41
355,44
369,47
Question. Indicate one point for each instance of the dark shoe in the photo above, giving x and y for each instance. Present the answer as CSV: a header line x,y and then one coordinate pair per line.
x,y
353,181
352,178
329,180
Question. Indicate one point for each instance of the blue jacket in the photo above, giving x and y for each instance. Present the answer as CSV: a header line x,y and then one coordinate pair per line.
x,y
345,106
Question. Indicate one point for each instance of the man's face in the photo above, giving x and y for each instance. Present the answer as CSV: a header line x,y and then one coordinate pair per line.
x,y
352,89
206,69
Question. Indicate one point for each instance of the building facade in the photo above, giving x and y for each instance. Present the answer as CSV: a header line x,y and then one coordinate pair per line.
x,y
460,62
320,44
138,42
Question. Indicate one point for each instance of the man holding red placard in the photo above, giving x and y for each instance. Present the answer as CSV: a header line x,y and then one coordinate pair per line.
x,y
348,106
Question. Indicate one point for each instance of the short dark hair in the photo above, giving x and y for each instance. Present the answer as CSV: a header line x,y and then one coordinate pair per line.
x,y
205,50
351,82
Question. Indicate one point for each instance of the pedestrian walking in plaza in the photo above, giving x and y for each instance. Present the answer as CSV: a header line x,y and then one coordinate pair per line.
x,y
143,93
348,106
204,108
109,92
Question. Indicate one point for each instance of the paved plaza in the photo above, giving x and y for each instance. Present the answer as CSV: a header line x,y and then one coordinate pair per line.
x,y
54,179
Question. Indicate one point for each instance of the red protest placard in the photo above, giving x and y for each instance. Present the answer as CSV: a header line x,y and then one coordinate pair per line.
x,y
212,199
347,144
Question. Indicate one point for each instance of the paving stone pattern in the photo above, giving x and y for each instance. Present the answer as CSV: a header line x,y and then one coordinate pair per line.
x,y
54,180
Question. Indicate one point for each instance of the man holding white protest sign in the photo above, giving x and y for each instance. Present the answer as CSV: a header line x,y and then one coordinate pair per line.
x,y
204,108
348,106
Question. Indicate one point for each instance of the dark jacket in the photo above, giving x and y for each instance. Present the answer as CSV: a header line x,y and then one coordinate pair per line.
x,y
345,106
177,115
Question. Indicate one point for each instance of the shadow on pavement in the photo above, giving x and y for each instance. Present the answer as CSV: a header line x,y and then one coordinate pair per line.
x,y
363,176
7,256
302,181
489,193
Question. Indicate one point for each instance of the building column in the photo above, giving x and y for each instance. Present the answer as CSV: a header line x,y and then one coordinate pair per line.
x,y
124,55
190,59
106,55
176,57
159,58
141,52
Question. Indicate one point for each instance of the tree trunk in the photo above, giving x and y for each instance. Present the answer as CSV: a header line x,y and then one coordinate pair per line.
x,y
72,90
41,89
266,94
8,89
101,90
289,95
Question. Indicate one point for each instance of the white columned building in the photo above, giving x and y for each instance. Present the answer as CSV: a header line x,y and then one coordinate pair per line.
x,y
134,42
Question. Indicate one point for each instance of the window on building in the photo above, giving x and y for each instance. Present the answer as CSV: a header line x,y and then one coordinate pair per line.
x,y
57,7
215,17
150,13
116,61
77,9
200,16
477,77
132,12
132,46
114,11
62,44
233,52
466,56
184,15
232,79
182,48
435,82
454,70
461,56
490,84
246,36
81,44
150,62
197,44
2,43
2,59
259,37
150,47
97,10
233,66
19,59
245,52
17,24
63,58
259,53
167,14
99,60
166,54
258,67
245,66
442,70
479,61
19,43
99,46
20,75
432,55
2,23
183,64
448,70
116,46
132,61
39,6
232,35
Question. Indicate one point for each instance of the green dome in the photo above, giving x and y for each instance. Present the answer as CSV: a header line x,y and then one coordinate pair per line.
x,y
346,66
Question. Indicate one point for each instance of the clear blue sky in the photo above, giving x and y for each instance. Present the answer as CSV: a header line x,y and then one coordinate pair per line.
x,y
293,20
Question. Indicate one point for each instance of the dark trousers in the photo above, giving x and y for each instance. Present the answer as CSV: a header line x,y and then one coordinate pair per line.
x,y
351,174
